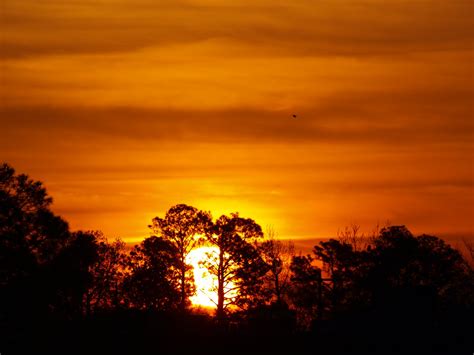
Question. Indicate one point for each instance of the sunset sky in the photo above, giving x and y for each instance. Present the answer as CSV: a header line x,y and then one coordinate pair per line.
x,y
124,108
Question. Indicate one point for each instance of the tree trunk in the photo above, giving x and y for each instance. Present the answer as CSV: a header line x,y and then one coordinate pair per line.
x,y
183,287
220,288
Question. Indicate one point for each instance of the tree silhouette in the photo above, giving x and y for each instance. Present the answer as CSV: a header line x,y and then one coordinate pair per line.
x,y
277,255
306,292
339,261
184,227
392,291
108,272
31,238
237,265
70,274
155,271
358,241
389,273
399,261
30,234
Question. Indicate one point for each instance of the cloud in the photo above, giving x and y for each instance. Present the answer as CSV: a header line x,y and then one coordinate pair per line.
x,y
347,28
346,117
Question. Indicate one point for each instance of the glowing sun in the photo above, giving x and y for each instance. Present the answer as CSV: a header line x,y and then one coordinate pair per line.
x,y
206,284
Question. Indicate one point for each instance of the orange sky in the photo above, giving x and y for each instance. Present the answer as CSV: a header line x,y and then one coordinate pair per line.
x,y
126,107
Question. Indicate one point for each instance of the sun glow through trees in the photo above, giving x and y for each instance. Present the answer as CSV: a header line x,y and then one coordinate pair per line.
x,y
206,283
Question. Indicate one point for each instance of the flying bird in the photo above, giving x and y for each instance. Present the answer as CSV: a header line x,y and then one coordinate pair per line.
x,y
294,116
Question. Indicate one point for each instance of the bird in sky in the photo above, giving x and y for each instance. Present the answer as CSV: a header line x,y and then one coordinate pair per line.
x,y
294,116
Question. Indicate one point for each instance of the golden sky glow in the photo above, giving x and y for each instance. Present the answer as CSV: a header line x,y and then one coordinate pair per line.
x,y
127,107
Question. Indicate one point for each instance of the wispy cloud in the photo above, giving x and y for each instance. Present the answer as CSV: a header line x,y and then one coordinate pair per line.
x,y
353,28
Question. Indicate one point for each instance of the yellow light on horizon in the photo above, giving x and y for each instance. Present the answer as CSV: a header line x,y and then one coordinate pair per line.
x,y
206,283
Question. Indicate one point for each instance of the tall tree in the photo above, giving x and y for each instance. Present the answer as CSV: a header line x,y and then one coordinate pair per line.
x,y
237,264
306,292
31,238
277,255
30,234
108,274
185,228
153,280
70,274
339,260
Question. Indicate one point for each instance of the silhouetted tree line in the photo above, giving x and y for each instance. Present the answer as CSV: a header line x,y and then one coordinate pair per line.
x,y
75,290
